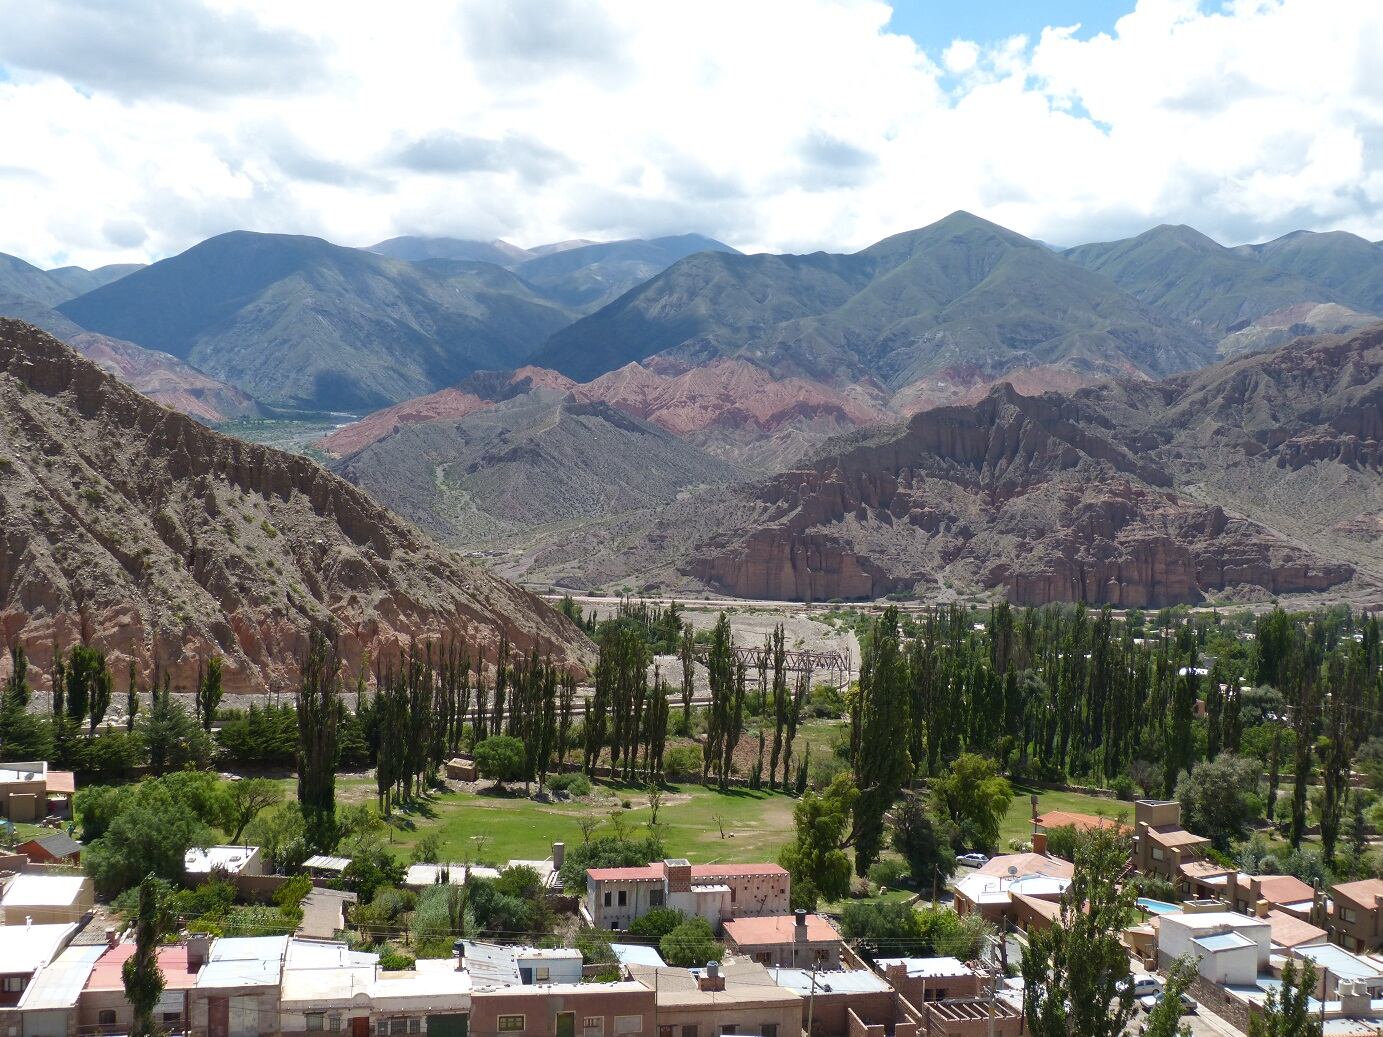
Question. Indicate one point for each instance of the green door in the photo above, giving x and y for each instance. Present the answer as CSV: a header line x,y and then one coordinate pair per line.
x,y
566,1024
458,1025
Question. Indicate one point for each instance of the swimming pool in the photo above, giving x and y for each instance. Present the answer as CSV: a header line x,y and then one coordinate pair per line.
x,y
1157,907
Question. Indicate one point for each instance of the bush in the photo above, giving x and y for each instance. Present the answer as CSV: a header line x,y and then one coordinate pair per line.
x,y
395,961
691,943
1124,788
573,783
888,873
682,760
594,945
500,758
657,923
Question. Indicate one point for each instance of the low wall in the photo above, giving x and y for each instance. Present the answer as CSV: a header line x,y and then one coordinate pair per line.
x,y
1227,1007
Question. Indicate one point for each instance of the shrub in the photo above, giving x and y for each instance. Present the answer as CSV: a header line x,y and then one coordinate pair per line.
x,y
691,943
573,783
657,923
682,760
1124,788
594,945
395,961
888,872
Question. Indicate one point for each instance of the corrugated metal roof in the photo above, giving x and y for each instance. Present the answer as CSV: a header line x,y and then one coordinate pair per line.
x,y
244,961
60,983
844,981
23,948
637,954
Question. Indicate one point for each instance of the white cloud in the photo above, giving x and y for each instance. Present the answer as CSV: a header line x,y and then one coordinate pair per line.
x,y
781,124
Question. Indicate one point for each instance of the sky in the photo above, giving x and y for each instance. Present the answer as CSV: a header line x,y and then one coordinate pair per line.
x,y
131,129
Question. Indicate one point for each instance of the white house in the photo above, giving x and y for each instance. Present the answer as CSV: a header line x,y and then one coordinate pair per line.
x,y
1229,948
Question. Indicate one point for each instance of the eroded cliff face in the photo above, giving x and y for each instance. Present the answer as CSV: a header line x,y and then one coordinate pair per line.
x,y
1105,495
150,536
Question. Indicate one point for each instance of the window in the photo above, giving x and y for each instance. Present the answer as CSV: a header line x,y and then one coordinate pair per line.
x,y
1347,914
334,1023
511,1024
607,898
14,984
628,1024
623,898
592,1026
106,1017
768,1029
541,974
655,897
732,1028
689,1031
172,1019
667,1031
315,1021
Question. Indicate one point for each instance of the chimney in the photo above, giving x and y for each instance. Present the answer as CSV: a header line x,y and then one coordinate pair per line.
x,y
799,925
677,874
559,854
711,980
1355,1000
112,937
1260,908
1039,843
1032,801
198,949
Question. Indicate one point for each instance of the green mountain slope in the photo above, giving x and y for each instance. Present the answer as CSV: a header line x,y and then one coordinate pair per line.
x,y
1345,263
299,322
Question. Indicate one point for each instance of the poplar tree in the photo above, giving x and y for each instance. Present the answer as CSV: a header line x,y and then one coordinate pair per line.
x,y
881,761
319,712
143,980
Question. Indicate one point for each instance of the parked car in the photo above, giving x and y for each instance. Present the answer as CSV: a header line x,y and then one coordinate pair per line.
x,y
1188,1006
972,860
1143,986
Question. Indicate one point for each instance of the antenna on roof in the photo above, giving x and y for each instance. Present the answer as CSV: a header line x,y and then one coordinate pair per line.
x,y
1012,870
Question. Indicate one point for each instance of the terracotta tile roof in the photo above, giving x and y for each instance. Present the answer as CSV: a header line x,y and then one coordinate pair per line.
x,y
647,873
1048,909
711,871
777,929
1081,822
1291,931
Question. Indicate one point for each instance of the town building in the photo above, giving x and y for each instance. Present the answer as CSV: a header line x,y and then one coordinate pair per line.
x,y
622,1009
46,899
498,965
977,1017
326,986
1356,923
48,1007
847,1002
236,992
223,860
29,792
736,995
930,979
55,847
1160,845
326,866
103,1008
615,897
798,940
421,876
1230,948
24,950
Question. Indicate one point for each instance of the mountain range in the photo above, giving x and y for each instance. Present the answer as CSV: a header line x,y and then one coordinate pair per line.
x,y
140,531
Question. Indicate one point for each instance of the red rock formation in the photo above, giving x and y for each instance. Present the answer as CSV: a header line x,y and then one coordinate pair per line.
x,y
151,536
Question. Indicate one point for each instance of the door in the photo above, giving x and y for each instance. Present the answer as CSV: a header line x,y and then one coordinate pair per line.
x,y
566,1024
218,1016
360,1026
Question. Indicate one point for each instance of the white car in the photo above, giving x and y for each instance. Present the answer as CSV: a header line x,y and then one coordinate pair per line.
x,y
972,860
1143,986
1188,1006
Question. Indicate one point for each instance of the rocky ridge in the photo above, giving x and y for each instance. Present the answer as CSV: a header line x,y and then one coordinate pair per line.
x,y
151,536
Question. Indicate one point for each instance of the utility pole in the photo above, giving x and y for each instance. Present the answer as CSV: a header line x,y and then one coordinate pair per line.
x,y
811,1001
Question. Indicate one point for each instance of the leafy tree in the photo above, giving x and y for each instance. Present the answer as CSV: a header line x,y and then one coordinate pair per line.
x,y
281,834
244,799
691,943
1219,798
1072,970
149,836
1288,1013
608,852
884,927
816,857
170,733
141,974
973,796
1165,1018
657,923
372,867
500,758
924,844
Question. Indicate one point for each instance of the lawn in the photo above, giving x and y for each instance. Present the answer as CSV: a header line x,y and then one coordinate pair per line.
x,y
756,824
1017,823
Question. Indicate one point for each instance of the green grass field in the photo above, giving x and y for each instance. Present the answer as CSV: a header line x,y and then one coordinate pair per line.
x,y
1017,822
505,827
